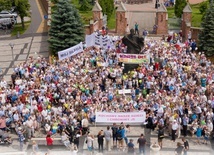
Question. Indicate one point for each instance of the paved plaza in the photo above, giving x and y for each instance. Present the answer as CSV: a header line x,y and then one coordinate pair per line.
x,y
168,145
24,48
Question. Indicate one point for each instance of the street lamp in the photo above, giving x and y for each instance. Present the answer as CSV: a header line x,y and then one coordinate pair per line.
x,y
11,46
31,29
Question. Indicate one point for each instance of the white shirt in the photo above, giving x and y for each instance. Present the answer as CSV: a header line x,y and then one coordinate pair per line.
x,y
44,113
174,126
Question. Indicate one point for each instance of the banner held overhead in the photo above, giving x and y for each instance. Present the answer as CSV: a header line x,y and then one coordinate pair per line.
x,y
69,52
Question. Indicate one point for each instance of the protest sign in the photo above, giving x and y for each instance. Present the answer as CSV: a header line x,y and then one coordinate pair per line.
x,y
69,52
96,39
124,91
127,117
132,58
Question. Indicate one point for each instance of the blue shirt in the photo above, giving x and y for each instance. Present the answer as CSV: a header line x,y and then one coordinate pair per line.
x,y
198,132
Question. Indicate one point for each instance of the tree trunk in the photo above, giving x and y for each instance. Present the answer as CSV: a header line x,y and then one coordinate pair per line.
x,y
23,23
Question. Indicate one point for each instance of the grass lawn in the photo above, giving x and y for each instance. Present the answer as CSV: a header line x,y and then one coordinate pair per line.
x,y
88,15
111,24
18,28
196,15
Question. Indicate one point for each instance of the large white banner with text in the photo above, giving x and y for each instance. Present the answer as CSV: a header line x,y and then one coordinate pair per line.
x,y
126,117
69,52
97,40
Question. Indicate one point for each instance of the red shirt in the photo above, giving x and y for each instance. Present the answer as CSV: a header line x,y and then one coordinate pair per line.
x,y
39,106
49,141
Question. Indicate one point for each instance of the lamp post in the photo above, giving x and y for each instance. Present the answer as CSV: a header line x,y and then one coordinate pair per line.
x,y
12,46
31,29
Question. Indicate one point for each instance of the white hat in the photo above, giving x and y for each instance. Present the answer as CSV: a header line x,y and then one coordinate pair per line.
x,y
19,128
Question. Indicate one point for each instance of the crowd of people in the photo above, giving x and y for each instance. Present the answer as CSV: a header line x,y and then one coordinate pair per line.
x,y
174,87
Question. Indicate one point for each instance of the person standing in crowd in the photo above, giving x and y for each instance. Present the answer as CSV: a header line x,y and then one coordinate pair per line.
x,y
127,29
130,145
198,134
127,130
90,139
30,127
136,28
100,139
160,136
120,137
85,125
78,134
114,129
142,144
35,148
174,129
179,150
185,121
49,142
186,146
108,136
21,138
2,123
65,140
145,33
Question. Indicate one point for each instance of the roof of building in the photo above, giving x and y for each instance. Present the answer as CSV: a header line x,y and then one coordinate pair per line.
x,y
162,8
97,7
187,8
121,7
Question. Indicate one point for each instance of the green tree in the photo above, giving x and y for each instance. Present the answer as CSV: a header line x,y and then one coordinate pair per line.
x,y
5,4
179,6
85,6
203,7
107,7
206,36
66,27
22,8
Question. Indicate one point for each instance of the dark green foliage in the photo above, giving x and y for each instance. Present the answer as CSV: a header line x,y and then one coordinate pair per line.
x,y
54,1
206,36
22,8
85,6
66,27
203,7
179,6
5,4
107,7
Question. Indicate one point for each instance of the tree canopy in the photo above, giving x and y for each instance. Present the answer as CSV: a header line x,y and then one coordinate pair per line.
x,y
5,4
206,36
22,8
107,7
66,27
179,6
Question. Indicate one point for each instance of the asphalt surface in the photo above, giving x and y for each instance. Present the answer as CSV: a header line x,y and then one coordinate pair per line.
x,y
36,18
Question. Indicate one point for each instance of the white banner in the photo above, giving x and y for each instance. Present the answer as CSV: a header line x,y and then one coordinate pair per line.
x,y
89,40
126,117
124,91
97,40
69,52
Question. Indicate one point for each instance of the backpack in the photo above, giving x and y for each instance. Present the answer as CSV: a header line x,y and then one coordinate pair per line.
x,y
119,135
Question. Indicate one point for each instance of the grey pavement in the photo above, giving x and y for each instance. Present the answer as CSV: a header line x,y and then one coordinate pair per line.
x,y
36,18
22,50
168,145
